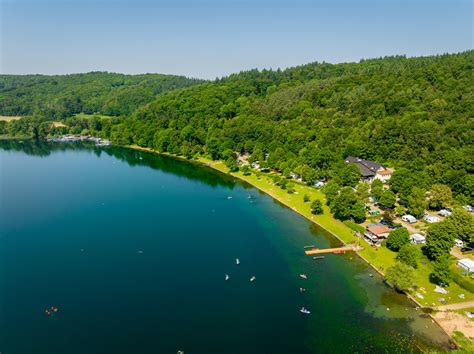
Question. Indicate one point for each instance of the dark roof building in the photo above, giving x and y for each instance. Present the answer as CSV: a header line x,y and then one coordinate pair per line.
x,y
369,169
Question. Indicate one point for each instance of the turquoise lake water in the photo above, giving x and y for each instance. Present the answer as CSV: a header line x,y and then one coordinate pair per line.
x,y
132,249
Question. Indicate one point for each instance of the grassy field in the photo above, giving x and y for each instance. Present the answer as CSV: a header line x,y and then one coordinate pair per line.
x,y
7,118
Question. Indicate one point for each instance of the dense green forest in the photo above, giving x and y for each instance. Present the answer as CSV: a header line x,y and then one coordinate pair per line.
x,y
413,114
61,96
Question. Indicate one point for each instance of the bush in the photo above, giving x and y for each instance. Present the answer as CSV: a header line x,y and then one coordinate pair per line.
x,y
397,238
401,276
351,224
462,281
316,207
306,198
409,254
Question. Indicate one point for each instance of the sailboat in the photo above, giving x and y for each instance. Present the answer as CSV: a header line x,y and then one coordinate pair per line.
x,y
227,277
303,276
253,278
237,261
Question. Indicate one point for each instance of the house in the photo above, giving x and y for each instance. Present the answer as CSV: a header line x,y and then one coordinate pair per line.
x,y
466,264
409,219
431,218
417,239
378,230
370,170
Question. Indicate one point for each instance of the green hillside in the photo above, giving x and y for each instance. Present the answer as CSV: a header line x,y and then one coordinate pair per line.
x,y
61,96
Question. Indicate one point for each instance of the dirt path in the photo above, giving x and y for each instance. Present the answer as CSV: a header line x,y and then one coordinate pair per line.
x,y
458,306
456,252
452,321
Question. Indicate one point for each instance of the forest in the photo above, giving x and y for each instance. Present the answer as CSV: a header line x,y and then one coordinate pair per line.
x,y
61,96
411,114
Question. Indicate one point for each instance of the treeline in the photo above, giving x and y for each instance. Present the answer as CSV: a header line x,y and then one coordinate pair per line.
x,y
61,96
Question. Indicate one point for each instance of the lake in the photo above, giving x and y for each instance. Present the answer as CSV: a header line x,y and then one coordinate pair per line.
x,y
132,249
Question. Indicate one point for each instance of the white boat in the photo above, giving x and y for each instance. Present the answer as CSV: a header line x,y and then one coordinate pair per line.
x,y
303,276
229,197
227,277
305,311
253,278
237,261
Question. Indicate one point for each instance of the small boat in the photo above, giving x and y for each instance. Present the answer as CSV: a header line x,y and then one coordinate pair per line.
x,y
318,257
229,197
227,277
253,278
302,290
249,197
309,246
305,311
303,276
237,261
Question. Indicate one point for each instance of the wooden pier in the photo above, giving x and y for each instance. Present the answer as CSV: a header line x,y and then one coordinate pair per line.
x,y
337,250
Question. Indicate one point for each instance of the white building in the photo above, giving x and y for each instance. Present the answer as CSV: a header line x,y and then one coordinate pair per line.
x,y
466,264
417,239
409,219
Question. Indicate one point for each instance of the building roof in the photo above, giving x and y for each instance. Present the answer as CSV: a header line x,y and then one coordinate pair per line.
x,y
468,263
385,171
379,229
367,168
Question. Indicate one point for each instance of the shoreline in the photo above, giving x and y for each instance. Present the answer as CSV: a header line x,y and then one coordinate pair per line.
x,y
214,164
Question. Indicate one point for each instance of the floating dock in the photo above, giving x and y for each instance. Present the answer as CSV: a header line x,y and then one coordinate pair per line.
x,y
330,250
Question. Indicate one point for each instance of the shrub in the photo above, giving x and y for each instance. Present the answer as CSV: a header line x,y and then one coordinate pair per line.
x,y
354,226
316,207
409,254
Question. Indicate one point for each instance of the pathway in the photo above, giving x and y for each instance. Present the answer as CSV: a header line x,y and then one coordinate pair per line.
x,y
458,306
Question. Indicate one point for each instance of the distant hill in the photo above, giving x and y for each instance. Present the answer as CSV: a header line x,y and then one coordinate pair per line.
x,y
61,96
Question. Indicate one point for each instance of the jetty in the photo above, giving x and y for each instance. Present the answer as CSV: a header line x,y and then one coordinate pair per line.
x,y
344,249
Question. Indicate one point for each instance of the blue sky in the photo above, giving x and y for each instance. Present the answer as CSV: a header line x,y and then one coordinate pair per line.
x,y
211,38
